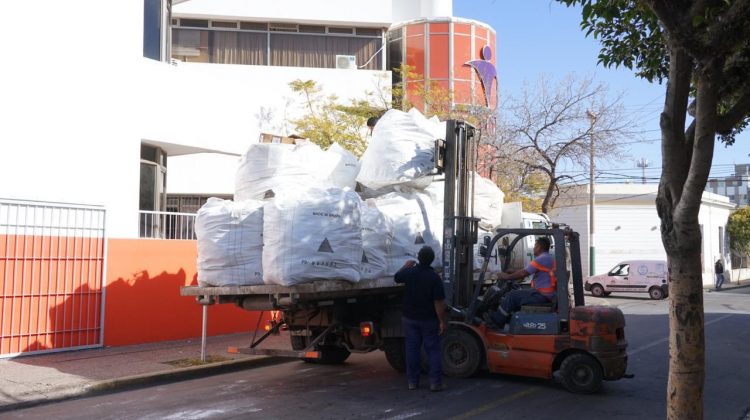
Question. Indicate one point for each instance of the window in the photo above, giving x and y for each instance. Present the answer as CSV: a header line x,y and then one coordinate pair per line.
x,y
254,26
312,29
219,24
721,240
153,179
194,23
339,30
152,29
368,31
620,270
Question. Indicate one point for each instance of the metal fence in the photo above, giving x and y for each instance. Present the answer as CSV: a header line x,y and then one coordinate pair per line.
x,y
166,225
52,259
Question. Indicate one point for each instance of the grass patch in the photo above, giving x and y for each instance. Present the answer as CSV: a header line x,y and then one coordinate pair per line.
x,y
181,363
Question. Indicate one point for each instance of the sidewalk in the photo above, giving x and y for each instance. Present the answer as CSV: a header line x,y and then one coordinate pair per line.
x,y
734,284
31,380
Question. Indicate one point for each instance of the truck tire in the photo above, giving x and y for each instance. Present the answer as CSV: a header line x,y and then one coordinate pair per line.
x,y
580,373
395,353
461,353
597,290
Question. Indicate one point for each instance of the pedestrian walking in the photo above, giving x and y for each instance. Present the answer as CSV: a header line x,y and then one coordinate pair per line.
x,y
719,269
423,317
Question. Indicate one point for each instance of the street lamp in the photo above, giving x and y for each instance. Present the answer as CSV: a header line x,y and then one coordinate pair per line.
x,y
592,249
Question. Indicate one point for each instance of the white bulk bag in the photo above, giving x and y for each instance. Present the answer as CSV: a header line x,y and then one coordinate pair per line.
x,y
266,166
488,202
401,150
344,167
377,235
413,227
230,242
312,234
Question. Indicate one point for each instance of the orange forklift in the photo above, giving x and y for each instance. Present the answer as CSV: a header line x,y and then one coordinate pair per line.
x,y
580,346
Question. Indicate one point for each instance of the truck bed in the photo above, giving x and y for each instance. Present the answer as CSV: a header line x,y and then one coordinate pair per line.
x,y
318,289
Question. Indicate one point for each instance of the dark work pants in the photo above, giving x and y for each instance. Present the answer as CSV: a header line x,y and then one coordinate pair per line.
x,y
423,333
513,302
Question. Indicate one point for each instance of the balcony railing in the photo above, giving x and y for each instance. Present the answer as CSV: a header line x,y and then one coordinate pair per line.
x,y
166,225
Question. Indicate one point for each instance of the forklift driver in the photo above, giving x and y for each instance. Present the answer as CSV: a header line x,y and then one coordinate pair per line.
x,y
542,285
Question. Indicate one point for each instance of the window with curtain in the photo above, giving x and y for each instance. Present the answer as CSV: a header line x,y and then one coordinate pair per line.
x,y
238,48
320,51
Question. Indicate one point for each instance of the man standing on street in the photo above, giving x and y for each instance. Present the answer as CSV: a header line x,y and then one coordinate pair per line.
x,y
719,269
423,317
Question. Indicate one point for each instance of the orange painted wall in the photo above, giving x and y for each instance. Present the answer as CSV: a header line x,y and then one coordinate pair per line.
x,y
143,302
49,292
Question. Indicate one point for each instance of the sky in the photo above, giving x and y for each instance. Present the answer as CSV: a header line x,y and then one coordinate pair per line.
x,y
543,37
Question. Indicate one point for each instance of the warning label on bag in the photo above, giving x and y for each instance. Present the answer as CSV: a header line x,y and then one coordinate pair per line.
x,y
325,246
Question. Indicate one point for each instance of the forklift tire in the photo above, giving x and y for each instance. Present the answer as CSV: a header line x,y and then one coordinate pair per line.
x,y
395,353
581,374
597,290
656,293
461,353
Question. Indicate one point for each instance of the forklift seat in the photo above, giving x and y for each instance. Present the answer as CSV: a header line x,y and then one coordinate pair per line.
x,y
550,306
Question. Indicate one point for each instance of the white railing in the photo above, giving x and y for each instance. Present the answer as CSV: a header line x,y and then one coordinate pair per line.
x,y
166,225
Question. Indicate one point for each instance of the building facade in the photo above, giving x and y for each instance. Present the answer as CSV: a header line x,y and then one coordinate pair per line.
x,y
628,227
736,187
115,112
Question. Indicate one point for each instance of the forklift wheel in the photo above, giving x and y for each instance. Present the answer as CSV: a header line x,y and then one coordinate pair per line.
x,y
461,353
581,374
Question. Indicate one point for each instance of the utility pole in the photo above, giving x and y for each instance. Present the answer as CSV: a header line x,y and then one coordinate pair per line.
x,y
643,164
592,194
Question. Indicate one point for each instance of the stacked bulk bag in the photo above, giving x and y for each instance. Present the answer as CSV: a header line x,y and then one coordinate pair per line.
x,y
312,234
344,167
267,166
401,151
377,235
414,226
230,243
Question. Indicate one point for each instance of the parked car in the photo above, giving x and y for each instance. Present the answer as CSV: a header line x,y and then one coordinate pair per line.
x,y
640,276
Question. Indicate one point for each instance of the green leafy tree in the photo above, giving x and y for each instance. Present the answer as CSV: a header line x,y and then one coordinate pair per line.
x,y
327,122
738,228
701,48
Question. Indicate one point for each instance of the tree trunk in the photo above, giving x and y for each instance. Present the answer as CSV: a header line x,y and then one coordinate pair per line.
x,y
686,162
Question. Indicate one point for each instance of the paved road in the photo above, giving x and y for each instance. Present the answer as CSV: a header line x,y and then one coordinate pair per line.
x,y
366,387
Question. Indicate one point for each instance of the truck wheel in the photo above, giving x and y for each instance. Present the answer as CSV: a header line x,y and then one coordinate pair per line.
x,y
581,374
395,353
461,353
656,293
597,290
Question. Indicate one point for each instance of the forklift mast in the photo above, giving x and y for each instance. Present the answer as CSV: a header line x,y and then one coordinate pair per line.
x,y
456,158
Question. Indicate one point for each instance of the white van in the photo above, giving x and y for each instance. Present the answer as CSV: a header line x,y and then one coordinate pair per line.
x,y
647,276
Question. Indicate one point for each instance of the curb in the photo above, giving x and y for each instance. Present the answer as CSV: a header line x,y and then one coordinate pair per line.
x,y
148,379
726,288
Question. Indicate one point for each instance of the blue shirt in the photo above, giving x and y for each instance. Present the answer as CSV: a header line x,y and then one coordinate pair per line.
x,y
423,287
541,279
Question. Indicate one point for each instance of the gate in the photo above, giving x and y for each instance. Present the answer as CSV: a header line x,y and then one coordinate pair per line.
x,y
52,259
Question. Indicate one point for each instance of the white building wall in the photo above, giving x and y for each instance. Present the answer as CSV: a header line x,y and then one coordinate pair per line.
x,y
628,227
377,13
78,98
627,232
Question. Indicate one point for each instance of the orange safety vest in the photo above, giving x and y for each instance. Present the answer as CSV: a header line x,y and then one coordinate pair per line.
x,y
552,278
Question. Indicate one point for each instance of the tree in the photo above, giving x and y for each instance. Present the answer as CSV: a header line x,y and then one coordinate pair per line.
x,y
551,127
327,122
702,49
738,229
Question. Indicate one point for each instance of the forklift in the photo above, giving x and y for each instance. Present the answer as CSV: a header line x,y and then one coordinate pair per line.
x,y
579,346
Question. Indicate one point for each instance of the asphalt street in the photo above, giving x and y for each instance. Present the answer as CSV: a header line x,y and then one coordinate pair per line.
x,y
366,387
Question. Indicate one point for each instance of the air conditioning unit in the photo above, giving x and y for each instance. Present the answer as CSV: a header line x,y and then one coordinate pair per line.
x,y
346,62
